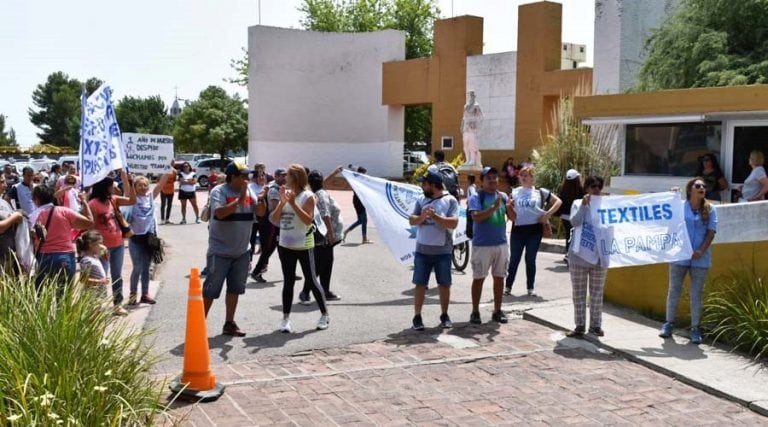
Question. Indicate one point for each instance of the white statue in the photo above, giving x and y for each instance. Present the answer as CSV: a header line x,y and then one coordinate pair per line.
x,y
470,125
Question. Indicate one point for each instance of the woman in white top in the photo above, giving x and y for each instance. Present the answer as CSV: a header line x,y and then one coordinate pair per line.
x,y
187,180
295,214
529,205
143,223
756,185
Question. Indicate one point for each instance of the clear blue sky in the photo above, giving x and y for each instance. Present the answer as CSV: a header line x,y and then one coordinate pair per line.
x,y
144,48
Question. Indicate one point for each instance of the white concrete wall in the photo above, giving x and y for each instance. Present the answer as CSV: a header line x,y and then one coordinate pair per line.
x,y
621,30
315,99
493,79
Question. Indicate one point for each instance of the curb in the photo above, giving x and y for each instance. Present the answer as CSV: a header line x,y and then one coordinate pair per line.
x,y
759,407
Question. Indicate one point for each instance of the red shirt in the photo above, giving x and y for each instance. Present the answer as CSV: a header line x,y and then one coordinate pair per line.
x,y
59,233
105,222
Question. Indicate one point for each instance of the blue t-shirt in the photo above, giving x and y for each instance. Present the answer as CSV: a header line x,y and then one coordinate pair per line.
x,y
492,231
697,232
431,238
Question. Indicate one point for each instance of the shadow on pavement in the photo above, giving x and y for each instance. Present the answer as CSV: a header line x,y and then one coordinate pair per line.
x,y
219,341
524,298
558,269
269,284
408,336
670,348
274,339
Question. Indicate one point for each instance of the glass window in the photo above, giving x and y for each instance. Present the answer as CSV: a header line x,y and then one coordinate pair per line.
x,y
746,139
669,149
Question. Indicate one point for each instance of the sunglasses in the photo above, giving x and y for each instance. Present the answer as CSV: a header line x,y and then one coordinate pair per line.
x,y
698,185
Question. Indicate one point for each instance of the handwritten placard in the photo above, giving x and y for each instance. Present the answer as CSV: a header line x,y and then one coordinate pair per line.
x,y
147,153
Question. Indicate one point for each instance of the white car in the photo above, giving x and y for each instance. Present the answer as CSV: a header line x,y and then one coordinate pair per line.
x,y
203,169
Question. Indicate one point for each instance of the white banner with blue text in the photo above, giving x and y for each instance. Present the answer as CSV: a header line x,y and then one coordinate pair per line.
x,y
390,204
101,149
638,230
147,153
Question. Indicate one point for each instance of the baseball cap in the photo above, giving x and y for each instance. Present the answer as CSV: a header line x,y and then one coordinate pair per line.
x,y
488,169
235,168
432,176
572,174
281,171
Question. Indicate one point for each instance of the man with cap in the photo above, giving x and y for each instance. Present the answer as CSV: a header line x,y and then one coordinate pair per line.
x,y
232,209
490,210
268,232
434,216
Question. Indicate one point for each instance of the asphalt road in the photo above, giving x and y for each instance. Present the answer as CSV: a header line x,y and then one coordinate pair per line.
x,y
376,294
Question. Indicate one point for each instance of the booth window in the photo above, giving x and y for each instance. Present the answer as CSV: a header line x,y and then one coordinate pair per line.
x,y
669,149
446,143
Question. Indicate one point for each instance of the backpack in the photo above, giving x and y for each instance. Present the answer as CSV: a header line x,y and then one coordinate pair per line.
x,y
470,222
450,179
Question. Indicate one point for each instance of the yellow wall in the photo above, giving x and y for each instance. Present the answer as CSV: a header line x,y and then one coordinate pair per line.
x,y
644,288
679,101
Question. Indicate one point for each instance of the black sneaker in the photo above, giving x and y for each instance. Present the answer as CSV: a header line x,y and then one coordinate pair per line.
x,y
596,331
508,290
578,332
230,328
474,318
304,298
330,296
258,278
499,316
418,324
445,321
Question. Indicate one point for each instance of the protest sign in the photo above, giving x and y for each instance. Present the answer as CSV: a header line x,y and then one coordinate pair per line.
x,y
148,154
390,204
101,149
638,230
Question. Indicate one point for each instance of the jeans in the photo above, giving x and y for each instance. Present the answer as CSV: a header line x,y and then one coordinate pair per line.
x,y
268,235
166,201
362,220
115,266
52,264
676,276
141,260
254,238
528,238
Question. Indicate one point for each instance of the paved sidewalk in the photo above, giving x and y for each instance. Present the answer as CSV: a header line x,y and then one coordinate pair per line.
x,y
706,367
519,373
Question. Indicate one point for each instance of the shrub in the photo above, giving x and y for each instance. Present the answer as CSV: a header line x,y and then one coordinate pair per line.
x,y
66,361
736,311
572,144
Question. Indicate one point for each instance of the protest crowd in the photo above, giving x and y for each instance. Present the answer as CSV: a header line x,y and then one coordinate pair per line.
x,y
251,213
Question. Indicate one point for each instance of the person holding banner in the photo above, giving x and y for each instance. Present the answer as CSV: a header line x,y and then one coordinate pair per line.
x,y
435,215
701,222
587,270
104,204
530,216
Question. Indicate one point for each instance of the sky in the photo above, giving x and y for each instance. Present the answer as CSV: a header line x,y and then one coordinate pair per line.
x,y
168,47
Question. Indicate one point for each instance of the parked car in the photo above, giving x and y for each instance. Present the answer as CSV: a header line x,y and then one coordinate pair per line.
x,y
412,160
203,169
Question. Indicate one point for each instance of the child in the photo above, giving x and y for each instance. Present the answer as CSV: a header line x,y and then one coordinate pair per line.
x,y
91,248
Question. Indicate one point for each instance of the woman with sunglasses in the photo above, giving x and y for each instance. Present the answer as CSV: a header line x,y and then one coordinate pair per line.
x,y
701,222
709,170
531,213
187,180
587,271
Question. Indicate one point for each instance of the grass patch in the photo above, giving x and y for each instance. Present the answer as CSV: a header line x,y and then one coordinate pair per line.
x,y
67,361
736,312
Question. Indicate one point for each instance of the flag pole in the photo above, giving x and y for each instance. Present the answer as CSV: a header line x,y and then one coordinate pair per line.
x,y
82,134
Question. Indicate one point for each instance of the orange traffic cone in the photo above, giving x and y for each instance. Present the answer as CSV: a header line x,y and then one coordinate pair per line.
x,y
197,382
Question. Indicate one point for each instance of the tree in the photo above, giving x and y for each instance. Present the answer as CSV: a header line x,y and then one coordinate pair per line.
x,y
214,123
7,139
143,115
58,109
708,43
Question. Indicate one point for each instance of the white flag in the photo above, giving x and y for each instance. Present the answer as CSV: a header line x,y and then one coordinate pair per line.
x,y
101,148
390,204
642,229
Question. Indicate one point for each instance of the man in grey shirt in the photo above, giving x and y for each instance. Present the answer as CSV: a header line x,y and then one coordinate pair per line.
x,y
232,209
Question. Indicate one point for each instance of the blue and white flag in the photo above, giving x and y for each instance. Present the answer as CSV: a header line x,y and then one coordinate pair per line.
x,y
390,204
101,147
637,230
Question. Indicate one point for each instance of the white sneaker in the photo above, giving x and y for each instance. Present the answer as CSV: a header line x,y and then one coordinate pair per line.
x,y
323,323
285,326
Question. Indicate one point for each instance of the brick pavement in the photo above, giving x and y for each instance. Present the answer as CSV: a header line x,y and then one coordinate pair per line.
x,y
519,373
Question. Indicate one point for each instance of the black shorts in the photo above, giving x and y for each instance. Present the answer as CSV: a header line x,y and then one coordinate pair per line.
x,y
186,195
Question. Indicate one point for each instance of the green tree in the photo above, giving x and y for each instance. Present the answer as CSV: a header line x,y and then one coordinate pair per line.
x,y
7,139
57,112
708,43
143,115
214,123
